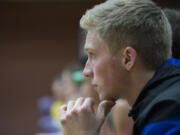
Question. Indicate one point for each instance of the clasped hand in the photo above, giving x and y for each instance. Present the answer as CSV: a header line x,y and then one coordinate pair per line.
x,y
80,118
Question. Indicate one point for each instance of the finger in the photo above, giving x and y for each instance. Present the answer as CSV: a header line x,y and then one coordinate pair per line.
x,y
88,104
104,108
123,104
62,111
78,103
70,106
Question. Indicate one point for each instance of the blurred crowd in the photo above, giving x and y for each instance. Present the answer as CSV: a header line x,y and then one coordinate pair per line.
x,y
70,84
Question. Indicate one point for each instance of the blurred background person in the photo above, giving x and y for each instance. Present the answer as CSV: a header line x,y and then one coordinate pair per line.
x,y
65,87
173,16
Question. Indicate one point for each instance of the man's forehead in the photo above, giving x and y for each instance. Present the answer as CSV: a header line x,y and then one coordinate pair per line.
x,y
92,41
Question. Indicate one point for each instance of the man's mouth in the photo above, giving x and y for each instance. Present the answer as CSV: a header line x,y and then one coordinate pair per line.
x,y
95,86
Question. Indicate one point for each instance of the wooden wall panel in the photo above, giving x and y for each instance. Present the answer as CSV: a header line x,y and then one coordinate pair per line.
x,y
36,41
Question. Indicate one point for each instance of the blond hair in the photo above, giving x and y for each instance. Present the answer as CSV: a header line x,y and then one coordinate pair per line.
x,y
137,23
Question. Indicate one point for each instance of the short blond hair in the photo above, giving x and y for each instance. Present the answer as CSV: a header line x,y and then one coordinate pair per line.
x,y
137,23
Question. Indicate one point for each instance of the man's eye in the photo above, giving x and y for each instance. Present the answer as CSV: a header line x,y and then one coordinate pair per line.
x,y
91,54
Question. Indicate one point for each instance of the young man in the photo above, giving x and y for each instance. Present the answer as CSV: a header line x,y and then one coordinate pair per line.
x,y
129,48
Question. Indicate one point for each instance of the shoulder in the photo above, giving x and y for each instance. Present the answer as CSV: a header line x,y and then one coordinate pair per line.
x,y
163,118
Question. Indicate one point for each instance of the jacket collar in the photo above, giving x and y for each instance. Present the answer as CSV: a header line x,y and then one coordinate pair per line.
x,y
163,72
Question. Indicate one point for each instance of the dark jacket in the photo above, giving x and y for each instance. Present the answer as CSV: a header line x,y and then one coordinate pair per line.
x,y
157,108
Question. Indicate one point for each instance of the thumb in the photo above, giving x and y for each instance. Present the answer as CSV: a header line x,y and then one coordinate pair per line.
x,y
104,108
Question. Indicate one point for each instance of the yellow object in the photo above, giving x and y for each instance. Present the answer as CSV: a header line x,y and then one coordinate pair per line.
x,y
54,109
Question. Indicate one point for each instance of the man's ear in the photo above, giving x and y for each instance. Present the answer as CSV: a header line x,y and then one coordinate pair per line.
x,y
129,57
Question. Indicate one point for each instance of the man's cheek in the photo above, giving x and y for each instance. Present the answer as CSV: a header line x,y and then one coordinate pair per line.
x,y
103,81
98,79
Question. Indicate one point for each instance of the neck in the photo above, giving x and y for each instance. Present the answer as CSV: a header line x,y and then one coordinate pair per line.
x,y
139,80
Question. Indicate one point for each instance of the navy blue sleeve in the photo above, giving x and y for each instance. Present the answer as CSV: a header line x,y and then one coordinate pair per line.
x,y
163,119
167,127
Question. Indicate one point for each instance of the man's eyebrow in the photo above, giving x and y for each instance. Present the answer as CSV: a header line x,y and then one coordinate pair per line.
x,y
88,49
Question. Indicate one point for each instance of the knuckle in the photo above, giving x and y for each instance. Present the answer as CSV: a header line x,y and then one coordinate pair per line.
x,y
80,98
90,99
74,112
68,116
84,110
62,121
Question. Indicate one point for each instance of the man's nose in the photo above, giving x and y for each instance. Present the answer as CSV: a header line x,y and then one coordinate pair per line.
x,y
87,72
